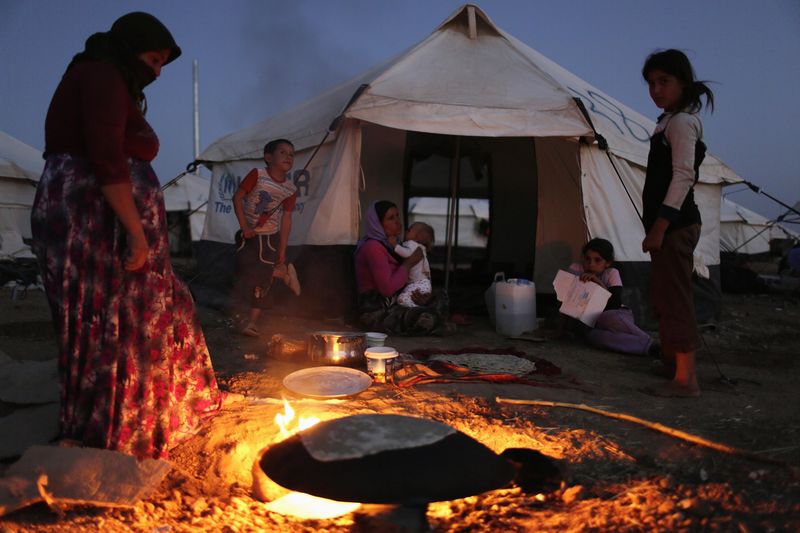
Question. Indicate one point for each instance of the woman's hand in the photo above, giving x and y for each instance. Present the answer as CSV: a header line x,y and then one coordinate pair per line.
x,y
137,252
415,257
421,298
248,232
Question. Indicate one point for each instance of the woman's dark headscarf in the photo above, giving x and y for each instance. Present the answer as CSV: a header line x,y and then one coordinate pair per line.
x,y
129,36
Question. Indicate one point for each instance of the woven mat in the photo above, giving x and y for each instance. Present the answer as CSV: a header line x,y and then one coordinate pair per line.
x,y
416,369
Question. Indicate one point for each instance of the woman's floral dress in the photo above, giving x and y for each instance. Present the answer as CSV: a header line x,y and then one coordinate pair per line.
x,y
135,372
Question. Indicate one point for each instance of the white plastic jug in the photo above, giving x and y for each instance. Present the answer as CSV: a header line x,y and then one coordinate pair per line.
x,y
489,295
515,307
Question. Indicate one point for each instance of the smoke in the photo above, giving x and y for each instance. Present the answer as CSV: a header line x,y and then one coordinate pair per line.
x,y
294,54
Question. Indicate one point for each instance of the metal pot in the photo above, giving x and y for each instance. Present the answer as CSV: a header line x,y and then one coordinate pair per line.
x,y
344,348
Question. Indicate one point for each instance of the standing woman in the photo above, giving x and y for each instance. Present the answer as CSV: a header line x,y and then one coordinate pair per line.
x,y
135,373
670,215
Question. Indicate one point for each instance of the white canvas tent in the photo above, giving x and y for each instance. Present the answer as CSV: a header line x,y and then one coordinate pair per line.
x,y
470,80
433,211
189,195
20,169
746,232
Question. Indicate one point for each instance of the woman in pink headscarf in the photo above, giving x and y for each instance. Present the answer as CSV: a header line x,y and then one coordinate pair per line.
x,y
381,274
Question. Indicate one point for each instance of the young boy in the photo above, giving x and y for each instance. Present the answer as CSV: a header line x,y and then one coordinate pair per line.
x,y
418,235
263,204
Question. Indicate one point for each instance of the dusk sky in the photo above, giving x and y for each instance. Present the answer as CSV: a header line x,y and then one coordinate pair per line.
x,y
260,57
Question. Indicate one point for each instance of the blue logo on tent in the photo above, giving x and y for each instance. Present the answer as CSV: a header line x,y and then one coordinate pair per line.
x,y
227,186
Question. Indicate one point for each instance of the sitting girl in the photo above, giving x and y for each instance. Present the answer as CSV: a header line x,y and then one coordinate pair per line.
x,y
614,329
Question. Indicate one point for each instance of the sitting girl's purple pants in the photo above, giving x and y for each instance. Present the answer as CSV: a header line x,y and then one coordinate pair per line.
x,y
615,330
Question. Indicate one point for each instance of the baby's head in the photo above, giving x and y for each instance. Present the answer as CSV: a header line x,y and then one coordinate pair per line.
x,y
422,233
598,255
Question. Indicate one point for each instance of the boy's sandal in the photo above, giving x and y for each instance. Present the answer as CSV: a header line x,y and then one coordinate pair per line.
x,y
250,331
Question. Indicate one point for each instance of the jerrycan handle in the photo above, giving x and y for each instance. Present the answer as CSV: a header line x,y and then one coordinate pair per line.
x,y
499,276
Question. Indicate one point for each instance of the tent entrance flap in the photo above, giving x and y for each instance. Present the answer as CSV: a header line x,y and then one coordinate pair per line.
x,y
486,203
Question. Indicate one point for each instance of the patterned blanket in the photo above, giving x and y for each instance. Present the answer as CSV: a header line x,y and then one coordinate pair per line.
x,y
418,367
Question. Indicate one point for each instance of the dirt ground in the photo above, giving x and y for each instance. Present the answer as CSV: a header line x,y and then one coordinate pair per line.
x,y
616,475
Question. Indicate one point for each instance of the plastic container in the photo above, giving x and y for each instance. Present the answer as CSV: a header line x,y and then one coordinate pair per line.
x,y
489,295
375,338
515,307
380,362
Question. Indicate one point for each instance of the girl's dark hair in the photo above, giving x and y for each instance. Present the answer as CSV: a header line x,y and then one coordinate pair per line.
x,y
603,247
381,207
675,63
271,146
129,36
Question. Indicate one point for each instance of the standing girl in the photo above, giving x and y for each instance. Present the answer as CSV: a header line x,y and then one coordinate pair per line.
x,y
670,215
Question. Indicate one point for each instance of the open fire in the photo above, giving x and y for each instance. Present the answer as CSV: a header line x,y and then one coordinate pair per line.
x,y
284,421
299,504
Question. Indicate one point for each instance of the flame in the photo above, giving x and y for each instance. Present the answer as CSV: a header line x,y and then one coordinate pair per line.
x,y
284,421
299,504
302,505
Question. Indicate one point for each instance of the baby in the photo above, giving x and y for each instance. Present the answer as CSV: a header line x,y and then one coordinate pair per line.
x,y
418,235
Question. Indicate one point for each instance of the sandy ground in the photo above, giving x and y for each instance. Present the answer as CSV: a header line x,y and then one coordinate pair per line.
x,y
616,475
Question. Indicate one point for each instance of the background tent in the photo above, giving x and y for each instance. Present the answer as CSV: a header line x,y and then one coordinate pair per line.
x,y
746,232
186,200
471,112
20,169
471,212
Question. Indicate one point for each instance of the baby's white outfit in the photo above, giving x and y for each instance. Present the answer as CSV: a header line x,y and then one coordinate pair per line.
x,y
419,277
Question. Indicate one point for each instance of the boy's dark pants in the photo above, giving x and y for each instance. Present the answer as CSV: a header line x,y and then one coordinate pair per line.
x,y
255,262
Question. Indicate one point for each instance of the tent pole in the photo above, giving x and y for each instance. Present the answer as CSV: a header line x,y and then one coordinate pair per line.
x,y
196,107
757,189
455,168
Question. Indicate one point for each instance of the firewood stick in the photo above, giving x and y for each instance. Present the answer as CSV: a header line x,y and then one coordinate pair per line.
x,y
652,425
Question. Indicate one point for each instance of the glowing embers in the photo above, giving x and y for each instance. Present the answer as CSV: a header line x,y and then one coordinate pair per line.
x,y
306,506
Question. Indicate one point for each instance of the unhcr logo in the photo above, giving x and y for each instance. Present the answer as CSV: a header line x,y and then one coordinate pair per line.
x,y
227,186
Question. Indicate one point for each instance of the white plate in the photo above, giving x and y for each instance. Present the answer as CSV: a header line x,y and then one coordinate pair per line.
x,y
327,381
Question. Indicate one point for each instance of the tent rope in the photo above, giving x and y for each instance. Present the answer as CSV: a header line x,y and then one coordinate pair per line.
x,y
602,143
